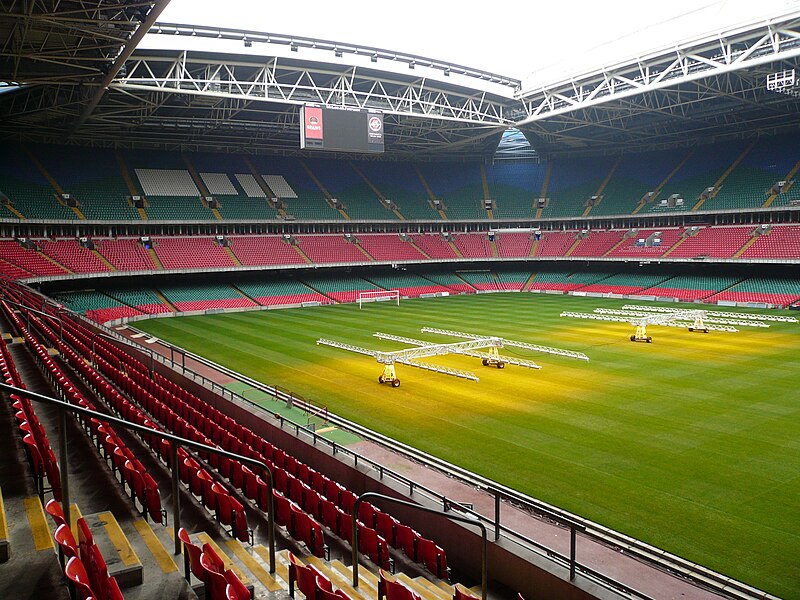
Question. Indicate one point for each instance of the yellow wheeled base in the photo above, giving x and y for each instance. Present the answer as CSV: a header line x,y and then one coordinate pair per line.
x,y
494,359
641,335
389,375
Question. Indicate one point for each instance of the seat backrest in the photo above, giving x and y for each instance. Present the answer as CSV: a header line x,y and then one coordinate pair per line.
x,y
214,580
54,509
76,573
236,590
191,552
66,541
461,593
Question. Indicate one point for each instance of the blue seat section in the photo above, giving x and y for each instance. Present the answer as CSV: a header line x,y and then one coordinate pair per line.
x,y
701,171
749,185
343,183
31,194
233,207
459,186
310,202
515,187
634,178
400,183
93,177
573,182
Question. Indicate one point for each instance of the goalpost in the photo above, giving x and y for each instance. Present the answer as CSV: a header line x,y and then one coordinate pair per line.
x,y
378,296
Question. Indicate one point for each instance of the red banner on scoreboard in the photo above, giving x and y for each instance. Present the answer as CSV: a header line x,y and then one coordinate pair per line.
x,y
313,123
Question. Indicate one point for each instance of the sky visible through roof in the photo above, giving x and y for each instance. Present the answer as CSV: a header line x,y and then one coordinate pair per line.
x,y
532,41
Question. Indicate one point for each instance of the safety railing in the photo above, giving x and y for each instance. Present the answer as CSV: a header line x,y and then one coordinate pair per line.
x,y
175,443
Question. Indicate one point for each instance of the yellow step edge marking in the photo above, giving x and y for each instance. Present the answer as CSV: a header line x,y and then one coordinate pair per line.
x,y
281,570
42,538
253,566
446,587
365,576
229,564
126,552
424,592
3,521
442,592
164,559
340,580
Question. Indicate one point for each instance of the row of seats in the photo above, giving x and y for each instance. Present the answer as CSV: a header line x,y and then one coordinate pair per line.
x,y
783,242
141,485
204,563
37,446
514,188
83,563
195,419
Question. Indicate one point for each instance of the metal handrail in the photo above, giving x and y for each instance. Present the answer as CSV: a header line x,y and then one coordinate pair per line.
x,y
365,495
176,442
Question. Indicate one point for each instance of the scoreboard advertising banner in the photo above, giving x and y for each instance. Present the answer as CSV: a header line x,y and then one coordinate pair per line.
x,y
348,130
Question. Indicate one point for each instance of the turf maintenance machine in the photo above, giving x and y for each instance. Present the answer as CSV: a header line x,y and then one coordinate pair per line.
x,y
700,321
486,348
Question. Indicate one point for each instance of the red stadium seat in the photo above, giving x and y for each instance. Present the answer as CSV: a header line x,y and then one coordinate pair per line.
x,y
76,573
307,577
392,589
191,556
433,557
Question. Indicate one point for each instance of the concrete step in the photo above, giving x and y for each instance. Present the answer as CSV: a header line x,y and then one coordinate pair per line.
x,y
121,559
32,570
163,578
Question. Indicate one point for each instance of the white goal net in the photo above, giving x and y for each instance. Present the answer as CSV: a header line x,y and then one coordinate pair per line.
x,y
378,296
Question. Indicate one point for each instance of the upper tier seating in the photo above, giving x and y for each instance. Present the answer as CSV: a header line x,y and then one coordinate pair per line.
x,y
434,246
126,254
598,243
323,249
715,242
400,183
555,243
514,187
473,245
513,245
73,256
191,253
389,247
782,242
459,186
255,250
633,247
29,260
167,182
95,179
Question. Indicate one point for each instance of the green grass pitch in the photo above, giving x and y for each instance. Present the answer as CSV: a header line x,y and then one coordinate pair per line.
x,y
691,443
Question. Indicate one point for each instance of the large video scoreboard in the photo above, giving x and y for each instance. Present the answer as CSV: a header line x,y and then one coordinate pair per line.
x,y
348,130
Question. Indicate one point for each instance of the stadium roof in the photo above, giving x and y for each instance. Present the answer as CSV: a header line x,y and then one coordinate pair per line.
x,y
79,74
